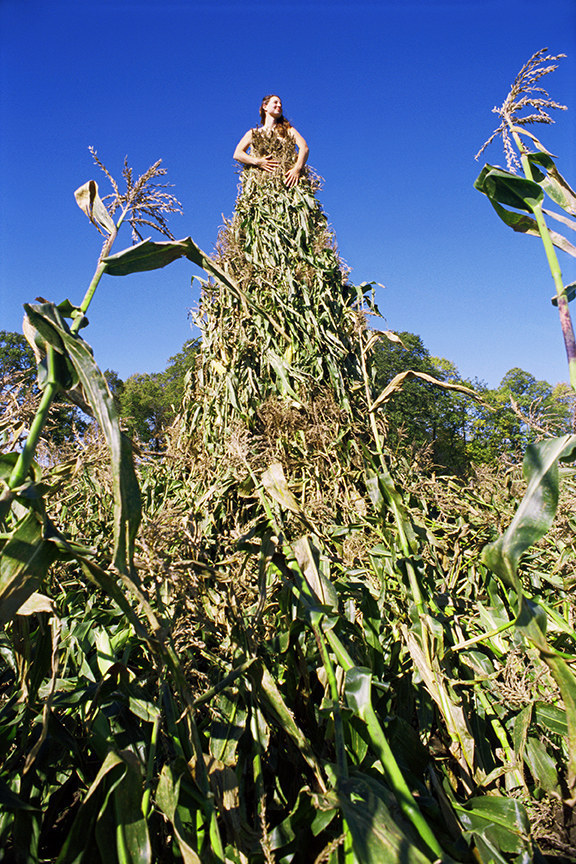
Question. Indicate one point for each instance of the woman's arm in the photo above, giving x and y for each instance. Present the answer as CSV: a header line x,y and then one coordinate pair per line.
x,y
293,174
267,163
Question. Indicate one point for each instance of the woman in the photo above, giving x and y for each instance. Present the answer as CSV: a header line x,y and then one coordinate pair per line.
x,y
273,124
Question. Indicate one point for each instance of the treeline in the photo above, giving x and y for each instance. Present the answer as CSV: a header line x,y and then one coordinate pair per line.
x,y
457,430
449,428
146,402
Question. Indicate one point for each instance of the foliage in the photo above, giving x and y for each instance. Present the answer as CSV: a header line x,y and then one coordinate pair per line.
x,y
252,346
506,190
520,411
19,393
148,403
16,357
285,643
420,416
455,430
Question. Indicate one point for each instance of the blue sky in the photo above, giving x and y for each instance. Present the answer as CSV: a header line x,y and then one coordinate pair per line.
x,y
394,99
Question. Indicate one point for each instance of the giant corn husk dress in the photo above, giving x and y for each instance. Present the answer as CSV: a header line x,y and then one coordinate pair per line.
x,y
291,329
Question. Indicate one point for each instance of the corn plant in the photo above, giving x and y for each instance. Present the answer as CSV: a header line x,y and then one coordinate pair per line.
x,y
509,193
294,650
75,780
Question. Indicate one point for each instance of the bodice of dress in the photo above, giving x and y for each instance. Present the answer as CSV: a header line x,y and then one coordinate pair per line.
x,y
282,147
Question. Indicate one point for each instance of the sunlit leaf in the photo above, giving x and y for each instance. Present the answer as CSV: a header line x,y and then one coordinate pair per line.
x,y
37,603
89,201
167,798
80,359
24,564
131,824
274,481
376,836
542,765
554,183
509,189
398,381
552,717
230,717
307,556
147,255
510,193
537,509
502,821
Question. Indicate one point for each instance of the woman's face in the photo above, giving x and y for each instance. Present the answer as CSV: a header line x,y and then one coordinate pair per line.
x,y
274,107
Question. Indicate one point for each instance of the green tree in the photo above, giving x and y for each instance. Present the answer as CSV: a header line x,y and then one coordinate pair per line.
x,y
422,414
520,410
143,407
149,402
176,371
17,362
18,386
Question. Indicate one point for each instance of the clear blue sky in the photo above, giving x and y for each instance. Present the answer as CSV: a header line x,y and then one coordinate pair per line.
x,y
394,99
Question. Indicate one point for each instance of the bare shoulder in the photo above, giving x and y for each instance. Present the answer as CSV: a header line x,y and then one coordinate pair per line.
x,y
298,138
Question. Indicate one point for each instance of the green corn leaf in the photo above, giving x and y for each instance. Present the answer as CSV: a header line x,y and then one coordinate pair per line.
x,y
227,727
10,801
509,189
288,831
383,493
267,693
308,558
502,822
524,224
376,836
69,310
502,187
81,837
519,222
531,622
131,826
149,255
24,563
537,509
554,183
358,690
448,703
146,255
283,373
44,324
167,798
551,717
520,731
533,519
144,709
542,766
80,358
274,481
566,681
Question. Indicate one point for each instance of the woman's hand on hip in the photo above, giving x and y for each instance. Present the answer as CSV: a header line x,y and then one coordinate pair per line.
x,y
292,176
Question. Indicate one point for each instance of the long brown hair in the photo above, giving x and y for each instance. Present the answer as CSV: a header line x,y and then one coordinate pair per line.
x,y
282,124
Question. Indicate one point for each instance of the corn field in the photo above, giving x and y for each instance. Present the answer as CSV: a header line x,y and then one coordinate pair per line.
x,y
281,641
